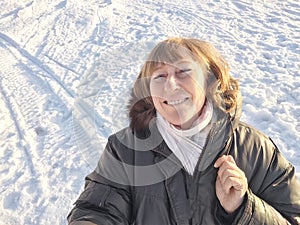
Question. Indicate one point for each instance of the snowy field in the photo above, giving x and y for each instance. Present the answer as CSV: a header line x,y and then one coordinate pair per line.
x,y
66,67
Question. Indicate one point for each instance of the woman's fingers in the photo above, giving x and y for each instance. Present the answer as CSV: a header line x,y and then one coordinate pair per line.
x,y
228,168
222,159
229,173
231,183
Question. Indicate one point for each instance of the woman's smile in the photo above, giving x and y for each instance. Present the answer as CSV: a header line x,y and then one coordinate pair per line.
x,y
176,102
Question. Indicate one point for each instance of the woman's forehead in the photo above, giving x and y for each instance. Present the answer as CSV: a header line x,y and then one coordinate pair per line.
x,y
175,56
177,63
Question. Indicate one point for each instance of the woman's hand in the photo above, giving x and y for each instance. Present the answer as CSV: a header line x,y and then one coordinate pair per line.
x,y
231,183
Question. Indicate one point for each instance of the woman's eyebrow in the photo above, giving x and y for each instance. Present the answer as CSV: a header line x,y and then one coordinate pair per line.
x,y
182,61
157,68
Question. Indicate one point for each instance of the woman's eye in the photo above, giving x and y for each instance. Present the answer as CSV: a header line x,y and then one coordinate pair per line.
x,y
159,76
183,72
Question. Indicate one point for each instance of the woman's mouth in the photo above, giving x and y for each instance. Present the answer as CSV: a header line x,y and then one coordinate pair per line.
x,y
176,102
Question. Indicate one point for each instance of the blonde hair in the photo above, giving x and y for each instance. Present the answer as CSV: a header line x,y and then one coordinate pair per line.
x,y
222,88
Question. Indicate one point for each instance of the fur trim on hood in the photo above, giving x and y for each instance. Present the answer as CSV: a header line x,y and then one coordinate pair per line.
x,y
141,112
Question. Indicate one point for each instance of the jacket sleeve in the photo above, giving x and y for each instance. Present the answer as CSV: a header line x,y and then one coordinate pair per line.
x,y
277,199
103,201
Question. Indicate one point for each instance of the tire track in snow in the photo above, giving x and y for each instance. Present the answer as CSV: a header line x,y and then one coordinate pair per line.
x,y
16,130
26,179
15,12
27,96
36,62
30,109
12,116
13,86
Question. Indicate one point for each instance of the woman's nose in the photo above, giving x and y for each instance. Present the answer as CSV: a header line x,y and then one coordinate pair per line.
x,y
171,83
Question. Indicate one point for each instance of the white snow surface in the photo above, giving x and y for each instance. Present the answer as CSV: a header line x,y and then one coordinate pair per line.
x,y
66,67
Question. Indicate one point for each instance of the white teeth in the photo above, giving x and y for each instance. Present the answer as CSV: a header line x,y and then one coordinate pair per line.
x,y
176,102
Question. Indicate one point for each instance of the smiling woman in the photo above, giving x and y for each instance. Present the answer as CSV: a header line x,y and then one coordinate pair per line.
x,y
186,157
178,91
190,68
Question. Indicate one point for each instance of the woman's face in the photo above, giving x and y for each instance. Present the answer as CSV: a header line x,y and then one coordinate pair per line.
x,y
178,91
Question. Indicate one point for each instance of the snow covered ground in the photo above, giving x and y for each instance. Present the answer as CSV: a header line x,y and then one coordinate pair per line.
x,y
65,70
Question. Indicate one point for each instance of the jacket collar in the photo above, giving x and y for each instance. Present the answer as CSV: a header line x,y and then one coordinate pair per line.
x,y
217,139
222,129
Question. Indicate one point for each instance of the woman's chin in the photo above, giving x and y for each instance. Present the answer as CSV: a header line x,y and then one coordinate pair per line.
x,y
183,124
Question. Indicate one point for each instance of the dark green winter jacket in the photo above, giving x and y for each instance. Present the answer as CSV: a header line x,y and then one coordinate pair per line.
x,y
139,181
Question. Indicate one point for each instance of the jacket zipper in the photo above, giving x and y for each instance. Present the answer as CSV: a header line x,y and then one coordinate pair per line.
x,y
204,148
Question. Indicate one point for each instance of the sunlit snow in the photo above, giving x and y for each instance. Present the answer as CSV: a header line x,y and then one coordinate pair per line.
x,y
66,68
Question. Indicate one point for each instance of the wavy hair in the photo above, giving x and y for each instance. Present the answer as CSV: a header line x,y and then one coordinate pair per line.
x,y
222,88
